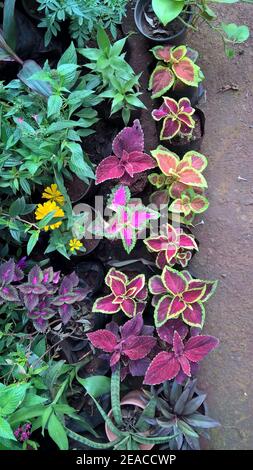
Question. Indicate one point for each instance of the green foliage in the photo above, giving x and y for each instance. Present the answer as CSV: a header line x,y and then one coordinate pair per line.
x,y
83,17
112,76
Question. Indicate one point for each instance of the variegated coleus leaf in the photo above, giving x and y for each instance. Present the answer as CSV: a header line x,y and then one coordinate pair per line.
x,y
188,204
177,117
131,217
179,174
180,360
128,344
127,295
177,294
176,64
174,246
129,158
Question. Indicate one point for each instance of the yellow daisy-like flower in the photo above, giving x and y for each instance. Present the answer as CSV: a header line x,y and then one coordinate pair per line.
x,y
52,192
44,209
75,244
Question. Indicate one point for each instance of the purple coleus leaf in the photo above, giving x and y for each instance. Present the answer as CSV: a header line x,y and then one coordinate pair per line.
x,y
127,344
129,158
126,295
7,271
170,365
173,247
176,293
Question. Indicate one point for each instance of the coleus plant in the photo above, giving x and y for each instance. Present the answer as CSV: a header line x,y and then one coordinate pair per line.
x,y
177,293
174,246
178,175
177,363
129,158
43,295
129,344
131,217
177,118
127,295
175,65
189,203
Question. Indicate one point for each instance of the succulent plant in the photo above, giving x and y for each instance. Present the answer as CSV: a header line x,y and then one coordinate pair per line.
x,y
182,412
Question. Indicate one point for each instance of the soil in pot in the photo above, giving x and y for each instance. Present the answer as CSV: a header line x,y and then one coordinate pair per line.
x,y
99,145
181,145
149,25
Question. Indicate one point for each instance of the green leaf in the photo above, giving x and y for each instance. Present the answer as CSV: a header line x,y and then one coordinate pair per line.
x,y
9,24
57,432
5,430
77,163
96,385
115,395
17,207
26,413
167,10
235,33
11,397
88,442
30,68
54,105
45,221
32,241
102,39
69,56
186,429
134,101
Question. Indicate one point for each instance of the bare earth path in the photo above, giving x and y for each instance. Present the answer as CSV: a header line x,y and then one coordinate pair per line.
x,y
226,238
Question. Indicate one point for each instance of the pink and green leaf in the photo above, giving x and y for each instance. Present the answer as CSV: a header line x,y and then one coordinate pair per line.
x,y
106,305
174,281
186,71
162,311
161,80
167,161
194,315
196,160
191,177
156,285
162,52
170,128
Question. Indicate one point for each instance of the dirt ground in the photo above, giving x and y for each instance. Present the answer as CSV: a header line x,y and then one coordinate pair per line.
x,y
226,240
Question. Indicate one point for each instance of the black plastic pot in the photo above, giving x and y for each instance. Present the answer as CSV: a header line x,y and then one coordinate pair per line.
x,y
139,17
180,148
184,91
86,190
30,7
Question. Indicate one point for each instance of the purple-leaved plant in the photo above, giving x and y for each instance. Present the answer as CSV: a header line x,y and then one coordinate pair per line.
x,y
127,295
43,295
129,158
128,345
131,216
181,360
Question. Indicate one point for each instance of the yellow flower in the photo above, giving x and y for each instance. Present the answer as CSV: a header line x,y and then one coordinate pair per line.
x,y
75,244
52,193
44,209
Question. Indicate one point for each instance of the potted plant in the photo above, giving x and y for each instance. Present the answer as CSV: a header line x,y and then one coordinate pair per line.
x,y
183,412
129,220
126,424
173,246
129,163
177,71
169,20
163,21
182,127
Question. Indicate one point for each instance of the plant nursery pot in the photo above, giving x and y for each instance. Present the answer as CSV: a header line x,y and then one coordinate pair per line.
x,y
78,189
174,33
182,145
132,398
30,7
183,91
